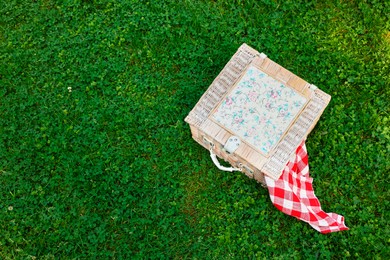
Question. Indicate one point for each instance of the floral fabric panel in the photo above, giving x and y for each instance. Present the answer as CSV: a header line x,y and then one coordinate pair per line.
x,y
259,109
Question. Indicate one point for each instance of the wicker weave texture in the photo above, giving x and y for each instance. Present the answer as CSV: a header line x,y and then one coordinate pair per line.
x,y
249,159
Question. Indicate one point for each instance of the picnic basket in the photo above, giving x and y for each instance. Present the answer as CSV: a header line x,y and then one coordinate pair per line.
x,y
255,114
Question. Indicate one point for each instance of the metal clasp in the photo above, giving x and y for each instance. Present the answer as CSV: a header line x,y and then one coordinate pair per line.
x,y
232,144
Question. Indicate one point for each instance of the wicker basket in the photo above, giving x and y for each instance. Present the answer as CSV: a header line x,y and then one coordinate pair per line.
x,y
255,114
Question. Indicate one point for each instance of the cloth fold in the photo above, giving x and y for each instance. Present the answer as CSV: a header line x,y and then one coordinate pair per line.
x,y
293,194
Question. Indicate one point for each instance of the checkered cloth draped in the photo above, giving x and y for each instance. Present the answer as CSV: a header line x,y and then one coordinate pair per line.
x,y
293,194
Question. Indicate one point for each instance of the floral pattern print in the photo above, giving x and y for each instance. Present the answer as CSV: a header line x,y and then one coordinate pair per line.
x,y
259,109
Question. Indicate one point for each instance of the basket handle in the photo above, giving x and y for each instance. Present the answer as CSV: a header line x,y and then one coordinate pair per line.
x,y
216,162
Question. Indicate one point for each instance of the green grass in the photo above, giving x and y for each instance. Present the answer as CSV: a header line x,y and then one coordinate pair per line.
x,y
109,170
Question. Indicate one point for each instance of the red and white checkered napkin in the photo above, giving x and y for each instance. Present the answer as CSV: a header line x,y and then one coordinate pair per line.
x,y
293,194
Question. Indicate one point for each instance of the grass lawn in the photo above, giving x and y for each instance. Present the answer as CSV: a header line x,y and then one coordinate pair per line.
x,y
97,162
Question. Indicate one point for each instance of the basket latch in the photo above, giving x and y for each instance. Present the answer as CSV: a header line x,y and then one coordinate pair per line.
x,y
232,144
